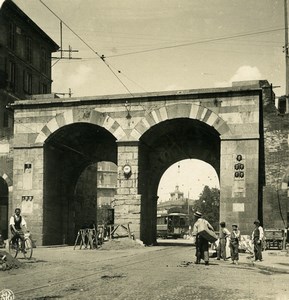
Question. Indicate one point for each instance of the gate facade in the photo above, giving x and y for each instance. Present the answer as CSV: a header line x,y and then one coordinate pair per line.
x,y
55,139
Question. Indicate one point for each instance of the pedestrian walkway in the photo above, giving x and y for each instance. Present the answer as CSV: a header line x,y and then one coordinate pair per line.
x,y
273,261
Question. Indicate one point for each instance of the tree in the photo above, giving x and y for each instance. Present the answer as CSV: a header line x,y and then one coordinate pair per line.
x,y
209,205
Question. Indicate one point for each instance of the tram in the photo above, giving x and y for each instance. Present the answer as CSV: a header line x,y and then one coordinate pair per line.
x,y
172,225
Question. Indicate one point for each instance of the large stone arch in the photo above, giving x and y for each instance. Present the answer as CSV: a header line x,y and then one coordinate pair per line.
x,y
75,116
8,180
233,115
167,112
180,110
162,145
67,153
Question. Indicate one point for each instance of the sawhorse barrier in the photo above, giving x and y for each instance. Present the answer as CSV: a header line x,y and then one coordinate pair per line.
x,y
119,230
89,238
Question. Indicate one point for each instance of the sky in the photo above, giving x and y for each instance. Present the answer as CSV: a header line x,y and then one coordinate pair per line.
x,y
163,45
160,45
191,176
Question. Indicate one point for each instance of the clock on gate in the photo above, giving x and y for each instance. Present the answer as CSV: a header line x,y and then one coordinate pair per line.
x,y
127,170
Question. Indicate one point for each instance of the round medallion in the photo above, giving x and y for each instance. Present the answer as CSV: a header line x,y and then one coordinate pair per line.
x,y
126,169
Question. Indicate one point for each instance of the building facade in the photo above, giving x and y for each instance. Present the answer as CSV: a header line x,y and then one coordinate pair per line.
x,y
25,69
25,64
237,130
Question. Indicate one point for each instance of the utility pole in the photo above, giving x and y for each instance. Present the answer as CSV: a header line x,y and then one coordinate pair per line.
x,y
188,203
286,56
62,51
287,88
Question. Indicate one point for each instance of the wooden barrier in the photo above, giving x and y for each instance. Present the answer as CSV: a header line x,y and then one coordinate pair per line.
x,y
119,230
90,238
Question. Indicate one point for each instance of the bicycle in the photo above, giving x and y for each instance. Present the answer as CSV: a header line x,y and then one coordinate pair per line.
x,y
14,249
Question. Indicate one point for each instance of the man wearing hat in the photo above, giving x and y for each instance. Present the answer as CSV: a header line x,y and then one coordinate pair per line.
x,y
202,245
234,243
224,234
257,237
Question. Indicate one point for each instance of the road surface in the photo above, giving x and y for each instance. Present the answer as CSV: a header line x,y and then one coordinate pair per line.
x,y
160,272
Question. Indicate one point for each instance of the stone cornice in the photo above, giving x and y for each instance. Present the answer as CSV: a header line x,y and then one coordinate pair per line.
x,y
136,98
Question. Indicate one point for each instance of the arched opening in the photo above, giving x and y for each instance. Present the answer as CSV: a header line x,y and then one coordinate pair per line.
x,y
191,176
95,188
71,155
3,208
160,147
187,185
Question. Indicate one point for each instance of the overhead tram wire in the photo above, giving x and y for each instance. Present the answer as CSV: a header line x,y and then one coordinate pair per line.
x,y
120,72
198,42
134,82
102,57
193,43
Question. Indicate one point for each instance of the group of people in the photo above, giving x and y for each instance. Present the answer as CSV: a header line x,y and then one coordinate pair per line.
x,y
234,237
17,223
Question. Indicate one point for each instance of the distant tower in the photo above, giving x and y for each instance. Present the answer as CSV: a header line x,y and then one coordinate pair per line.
x,y
176,194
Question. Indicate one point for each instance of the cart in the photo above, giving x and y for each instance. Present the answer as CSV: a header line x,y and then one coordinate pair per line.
x,y
274,238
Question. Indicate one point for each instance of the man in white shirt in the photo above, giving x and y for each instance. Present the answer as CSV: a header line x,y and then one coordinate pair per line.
x,y
17,222
257,237
202,245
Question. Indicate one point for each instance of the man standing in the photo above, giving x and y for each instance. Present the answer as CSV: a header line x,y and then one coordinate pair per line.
x,y
257,237
234,243
202,244
224,233
16,223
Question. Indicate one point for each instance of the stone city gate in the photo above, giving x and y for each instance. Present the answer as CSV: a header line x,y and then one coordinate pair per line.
x,y
144,134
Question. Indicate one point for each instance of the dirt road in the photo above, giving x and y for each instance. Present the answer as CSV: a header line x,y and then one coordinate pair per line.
x,y
160,272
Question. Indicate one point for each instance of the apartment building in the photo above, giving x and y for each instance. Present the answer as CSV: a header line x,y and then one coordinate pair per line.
x,y
25,69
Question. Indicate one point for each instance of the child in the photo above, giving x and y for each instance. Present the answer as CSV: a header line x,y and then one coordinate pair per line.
x,y
221,250
234,243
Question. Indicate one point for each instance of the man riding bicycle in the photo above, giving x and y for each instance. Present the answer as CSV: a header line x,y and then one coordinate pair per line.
x,y
16,223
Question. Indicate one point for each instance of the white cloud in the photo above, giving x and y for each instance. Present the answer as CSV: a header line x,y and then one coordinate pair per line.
x,y
242,74
246,73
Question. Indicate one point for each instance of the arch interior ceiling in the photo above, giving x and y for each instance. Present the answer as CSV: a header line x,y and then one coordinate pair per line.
x,y
175,140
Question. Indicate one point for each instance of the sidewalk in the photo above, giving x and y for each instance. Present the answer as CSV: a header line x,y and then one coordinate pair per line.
x,y
273,261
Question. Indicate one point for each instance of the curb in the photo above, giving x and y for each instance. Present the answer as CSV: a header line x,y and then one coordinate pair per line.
x,y
272,269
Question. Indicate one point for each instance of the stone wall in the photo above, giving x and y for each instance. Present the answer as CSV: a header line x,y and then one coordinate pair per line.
x,y
275,198
28,188
127,204
239,196
148,133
